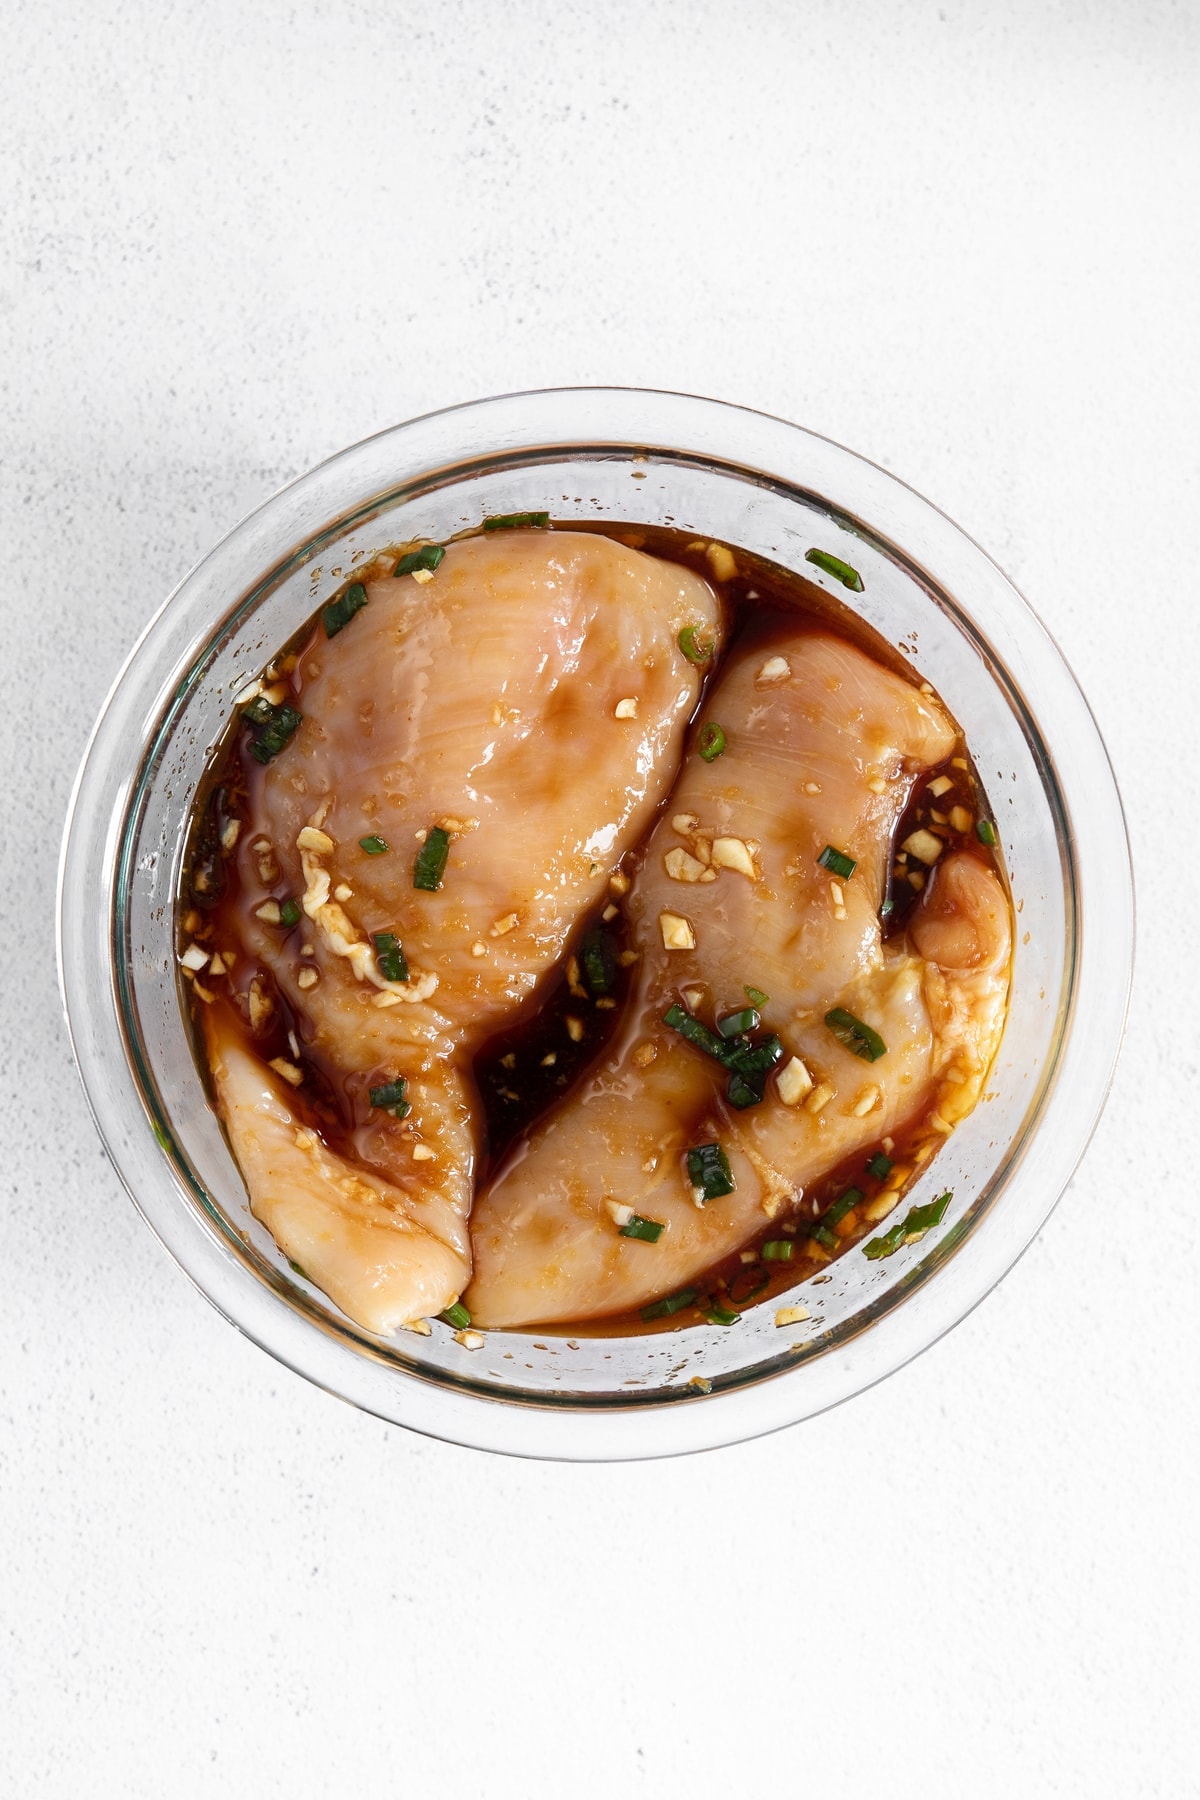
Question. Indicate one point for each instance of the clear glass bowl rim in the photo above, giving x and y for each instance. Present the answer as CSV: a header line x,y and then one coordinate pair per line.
x,y
1075,1092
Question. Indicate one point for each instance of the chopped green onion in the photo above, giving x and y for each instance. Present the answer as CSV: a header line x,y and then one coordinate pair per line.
x,y
430,865
663,1309
695,653
695,1033
885,1245
427,557
833,565
756,996
985,831
918,1221
841,1206
828,1238
514,521
709,1172
456,1315
778,1250
923,1218
275,730
857,1037
734,1024
259,712
879,1165
716,1314
837,862
649,1230
712,741
598,957
393,965
339,612
289,913
390,1098
750,1065
888,907
373,845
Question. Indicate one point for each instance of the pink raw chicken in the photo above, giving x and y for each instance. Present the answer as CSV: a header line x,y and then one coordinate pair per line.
x,y
530,700
823,746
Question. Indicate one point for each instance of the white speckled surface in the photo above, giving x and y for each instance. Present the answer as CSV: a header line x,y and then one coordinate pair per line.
x,y
961,239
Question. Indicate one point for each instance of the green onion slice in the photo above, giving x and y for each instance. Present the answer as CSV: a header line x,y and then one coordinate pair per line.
x,y
918,1221
289,913
861,1039
886,910
303,1273
734,1024
516,521
373,845
390,1097
649,1230
430,865
748,1064
427,557
837,862
716,1314
841,1206
923,1218
456,1315
985,831
276,729
829,1239
695,653
756,996
778,1250
695,1032
598,957
663,1309
885,1245
712,741
393,965
339,612
709,1172
833,565
879,1165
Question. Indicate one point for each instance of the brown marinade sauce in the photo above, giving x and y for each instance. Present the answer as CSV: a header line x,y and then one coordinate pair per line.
x,y
526,1068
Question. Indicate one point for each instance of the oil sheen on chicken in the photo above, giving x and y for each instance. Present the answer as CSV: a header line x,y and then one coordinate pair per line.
x,y
530,701
823,747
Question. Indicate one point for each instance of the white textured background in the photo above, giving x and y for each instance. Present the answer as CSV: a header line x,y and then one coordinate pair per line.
x,y
961,239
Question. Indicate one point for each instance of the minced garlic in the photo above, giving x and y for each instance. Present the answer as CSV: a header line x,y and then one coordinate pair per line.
x,y
924,846
734,853
791,1315
677,932
288,1070
793,1082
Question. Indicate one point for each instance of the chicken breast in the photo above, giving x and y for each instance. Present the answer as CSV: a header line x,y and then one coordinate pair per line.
x,y
822,748
387,1253
524,710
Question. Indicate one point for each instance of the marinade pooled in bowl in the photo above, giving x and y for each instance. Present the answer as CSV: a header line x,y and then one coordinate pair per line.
x,y
594,922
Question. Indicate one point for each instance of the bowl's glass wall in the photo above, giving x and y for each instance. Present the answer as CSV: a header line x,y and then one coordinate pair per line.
x,y
661,460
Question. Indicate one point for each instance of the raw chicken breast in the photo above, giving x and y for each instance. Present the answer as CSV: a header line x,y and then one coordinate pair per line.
x,y
387,1254
530,702
823,746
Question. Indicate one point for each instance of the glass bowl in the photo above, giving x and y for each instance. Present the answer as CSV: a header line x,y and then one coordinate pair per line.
x,y
751,481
